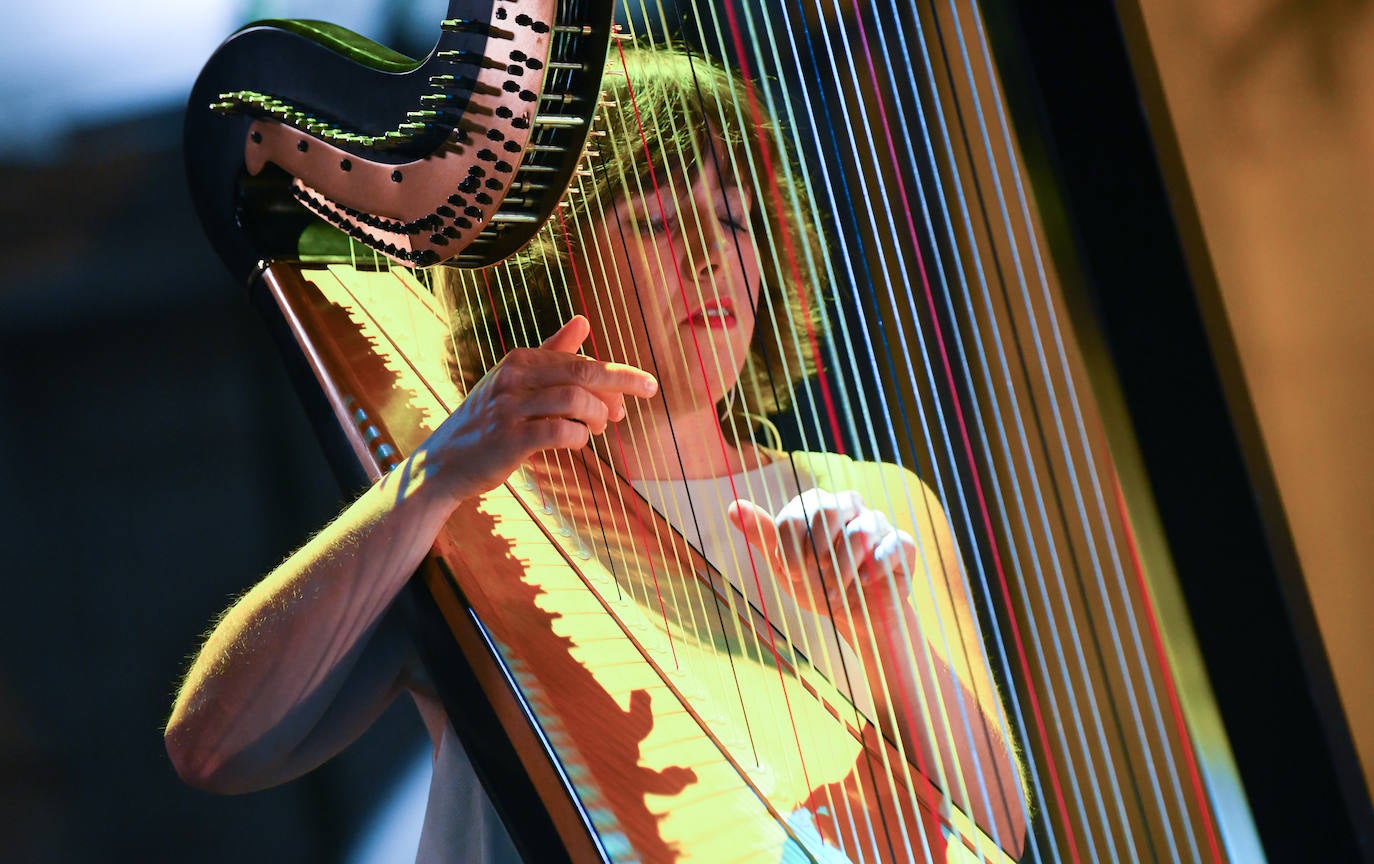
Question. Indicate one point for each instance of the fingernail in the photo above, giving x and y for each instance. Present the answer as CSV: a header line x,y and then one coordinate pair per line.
x,y
650,387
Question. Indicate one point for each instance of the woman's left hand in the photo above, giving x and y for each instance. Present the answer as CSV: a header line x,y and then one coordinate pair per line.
x,y
823,545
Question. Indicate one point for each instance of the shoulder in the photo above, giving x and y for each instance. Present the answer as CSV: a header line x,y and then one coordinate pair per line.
x,y
897,491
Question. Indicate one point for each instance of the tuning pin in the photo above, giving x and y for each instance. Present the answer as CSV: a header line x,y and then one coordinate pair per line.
x,y
463,25
506,217
461,56
558,121
469,25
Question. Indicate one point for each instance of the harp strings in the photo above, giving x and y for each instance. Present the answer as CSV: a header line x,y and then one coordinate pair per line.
x,y
855,404
980,426
943,350
1073,484
803,638
621,161
665,275
1013,413
492,353
1093,695
627,348
868,419
1171,829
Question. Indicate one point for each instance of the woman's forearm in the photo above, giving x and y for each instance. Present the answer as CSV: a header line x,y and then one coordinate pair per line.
x,y
945,723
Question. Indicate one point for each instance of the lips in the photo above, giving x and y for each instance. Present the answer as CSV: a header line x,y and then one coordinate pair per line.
x,y
719,313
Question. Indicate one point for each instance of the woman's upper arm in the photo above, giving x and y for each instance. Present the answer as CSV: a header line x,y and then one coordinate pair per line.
x,y
368,687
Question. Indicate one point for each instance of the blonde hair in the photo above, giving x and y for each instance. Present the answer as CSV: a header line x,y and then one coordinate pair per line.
x,y
676,95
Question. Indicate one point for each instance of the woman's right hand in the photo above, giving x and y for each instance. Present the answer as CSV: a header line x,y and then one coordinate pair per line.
x,y
534,399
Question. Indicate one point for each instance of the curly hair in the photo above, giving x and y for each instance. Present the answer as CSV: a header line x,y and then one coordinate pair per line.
x,y
673,98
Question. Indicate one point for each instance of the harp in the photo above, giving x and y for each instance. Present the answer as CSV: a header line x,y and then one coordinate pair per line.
x,y
1105,563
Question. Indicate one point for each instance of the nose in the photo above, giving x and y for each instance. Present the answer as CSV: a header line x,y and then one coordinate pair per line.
x,y
706,244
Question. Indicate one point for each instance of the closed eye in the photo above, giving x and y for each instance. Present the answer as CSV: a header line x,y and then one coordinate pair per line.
x,y
655,221
736,223
733,211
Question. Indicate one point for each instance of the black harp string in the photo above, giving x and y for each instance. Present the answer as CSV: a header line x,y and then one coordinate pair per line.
x,y
622,291
705,601
1069,461
671,179
687,262
657,549
733,171
970,664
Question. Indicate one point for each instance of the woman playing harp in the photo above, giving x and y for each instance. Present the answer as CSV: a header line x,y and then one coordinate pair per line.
x,y
669,265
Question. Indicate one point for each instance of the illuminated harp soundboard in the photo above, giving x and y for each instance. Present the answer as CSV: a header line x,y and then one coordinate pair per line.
x,y
988,250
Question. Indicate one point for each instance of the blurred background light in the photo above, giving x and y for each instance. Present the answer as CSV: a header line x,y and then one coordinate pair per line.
x,y
69,65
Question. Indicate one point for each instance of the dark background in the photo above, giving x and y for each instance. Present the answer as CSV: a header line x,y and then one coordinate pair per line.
x,y
156,460
155,463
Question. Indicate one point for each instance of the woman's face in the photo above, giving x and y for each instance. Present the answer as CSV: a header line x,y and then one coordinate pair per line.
x,y
675,285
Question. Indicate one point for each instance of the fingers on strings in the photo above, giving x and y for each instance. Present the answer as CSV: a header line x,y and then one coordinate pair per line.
x,y
833,534
568,396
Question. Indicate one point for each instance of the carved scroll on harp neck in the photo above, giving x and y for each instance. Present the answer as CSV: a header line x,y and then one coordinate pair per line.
x,y
473,167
